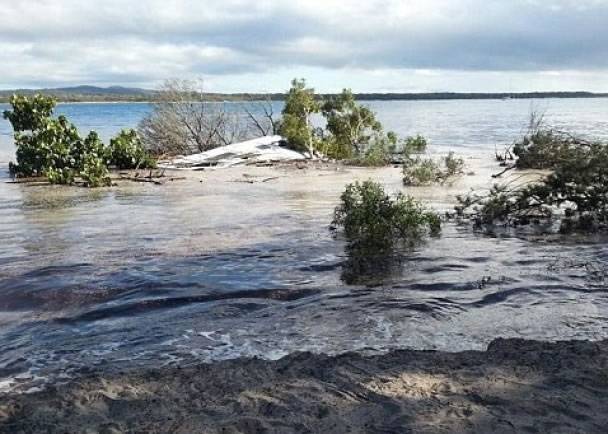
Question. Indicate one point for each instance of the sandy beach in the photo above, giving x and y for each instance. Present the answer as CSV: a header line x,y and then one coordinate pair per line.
x,y
515,386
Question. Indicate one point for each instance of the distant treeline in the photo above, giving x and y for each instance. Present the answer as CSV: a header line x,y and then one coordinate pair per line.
x,y
121,94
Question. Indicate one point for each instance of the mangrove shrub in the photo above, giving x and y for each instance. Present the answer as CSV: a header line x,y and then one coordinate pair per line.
x,y
418,171
52,147
367,214
575,193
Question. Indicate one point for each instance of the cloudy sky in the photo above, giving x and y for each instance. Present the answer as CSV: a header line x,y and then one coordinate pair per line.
x,y
259,45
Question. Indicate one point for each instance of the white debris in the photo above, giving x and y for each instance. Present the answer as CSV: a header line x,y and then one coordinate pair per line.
x,y
261,150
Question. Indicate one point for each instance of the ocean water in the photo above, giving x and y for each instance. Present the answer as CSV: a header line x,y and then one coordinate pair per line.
x,y
209,269
465,126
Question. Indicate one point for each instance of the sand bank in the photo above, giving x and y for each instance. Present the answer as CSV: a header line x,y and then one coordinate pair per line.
x,y
514,386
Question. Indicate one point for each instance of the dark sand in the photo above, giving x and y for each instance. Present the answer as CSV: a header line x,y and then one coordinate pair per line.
x,y
515,386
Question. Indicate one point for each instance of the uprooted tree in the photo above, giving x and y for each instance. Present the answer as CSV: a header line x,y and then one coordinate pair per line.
x,y
574,193
52,147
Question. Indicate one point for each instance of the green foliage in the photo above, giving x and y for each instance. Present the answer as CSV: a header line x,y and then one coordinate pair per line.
x,y
350,125
94,172
453,165
127,152
47,150
576,193
64,175
379,152
425,171
369,216
52,147
29,113
414,145
420,171
351,133
545,149
295,126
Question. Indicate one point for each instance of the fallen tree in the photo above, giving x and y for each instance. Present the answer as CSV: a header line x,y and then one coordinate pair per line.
x,y
574,194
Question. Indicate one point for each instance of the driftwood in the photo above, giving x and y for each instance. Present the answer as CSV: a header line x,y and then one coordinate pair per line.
x,y
498,175
250,179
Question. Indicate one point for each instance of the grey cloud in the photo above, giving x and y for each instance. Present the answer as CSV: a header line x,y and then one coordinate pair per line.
x,y
145,41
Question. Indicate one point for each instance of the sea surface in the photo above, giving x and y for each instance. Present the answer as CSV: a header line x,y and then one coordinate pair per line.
x,y
144,275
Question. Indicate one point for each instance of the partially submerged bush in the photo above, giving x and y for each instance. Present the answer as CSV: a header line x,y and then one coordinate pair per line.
x,y
368,215
575,193
126,151
52,147
375,225
95,173
415,145
546,149
425,171
542,147
378,153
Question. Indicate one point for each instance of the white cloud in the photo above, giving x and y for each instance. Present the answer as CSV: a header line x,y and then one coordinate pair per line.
x,y
49,42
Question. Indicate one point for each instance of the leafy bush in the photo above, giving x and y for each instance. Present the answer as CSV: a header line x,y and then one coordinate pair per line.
x,y
545,149
453,165
420,171
94,172
368,215
52,147
425,171
414,145
576,193
65,175
295,126
127,152
350,124
379,153
29,114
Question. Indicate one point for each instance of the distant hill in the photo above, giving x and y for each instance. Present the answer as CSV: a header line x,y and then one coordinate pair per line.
x,y
87,93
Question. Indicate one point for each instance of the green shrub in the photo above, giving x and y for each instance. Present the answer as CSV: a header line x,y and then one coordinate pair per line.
x,y
64,175
94,172
420,171
425,171
575,193
29,114
414,145
295,124
453,165
127,152
379,153
368,215
52,147
545,149
350,124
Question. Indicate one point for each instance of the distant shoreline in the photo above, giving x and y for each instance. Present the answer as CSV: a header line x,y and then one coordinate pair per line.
x,y
148,96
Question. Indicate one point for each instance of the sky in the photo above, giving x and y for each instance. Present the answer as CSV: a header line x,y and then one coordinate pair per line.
x,y
260,45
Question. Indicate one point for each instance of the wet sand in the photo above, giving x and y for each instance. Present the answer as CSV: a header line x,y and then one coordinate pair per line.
x,y
515,386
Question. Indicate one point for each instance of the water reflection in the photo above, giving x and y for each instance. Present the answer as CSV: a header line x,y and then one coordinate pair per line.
x,y
371,264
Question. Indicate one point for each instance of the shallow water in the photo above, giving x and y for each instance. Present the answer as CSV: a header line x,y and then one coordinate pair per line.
x,y
208,269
